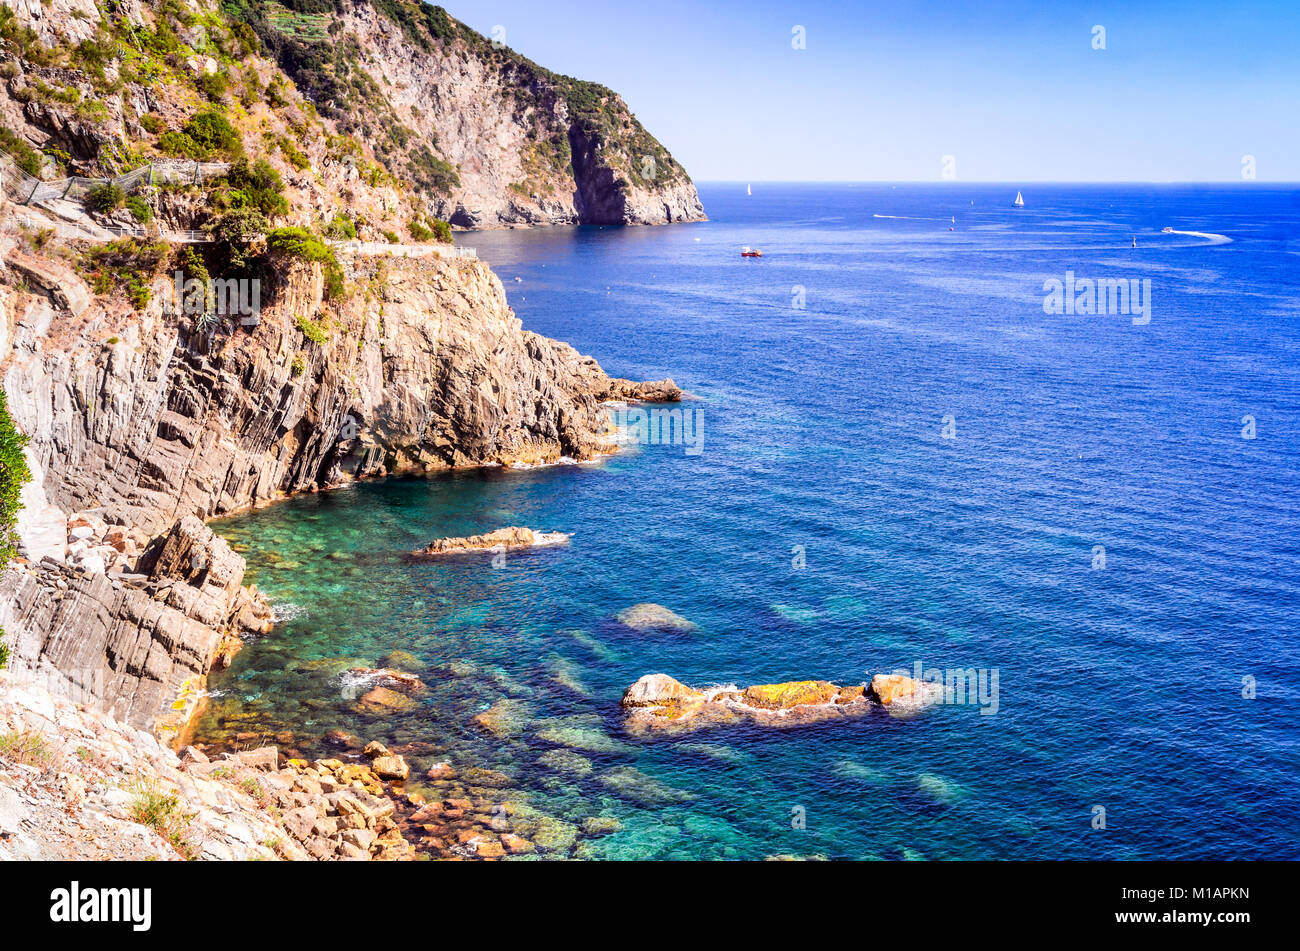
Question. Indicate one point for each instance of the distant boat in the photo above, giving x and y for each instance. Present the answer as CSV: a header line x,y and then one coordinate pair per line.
x,y
750,253
1135,241
1020,200
749,189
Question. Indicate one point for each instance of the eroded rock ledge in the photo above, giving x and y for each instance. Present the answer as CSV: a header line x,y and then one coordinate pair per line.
x,y
659,702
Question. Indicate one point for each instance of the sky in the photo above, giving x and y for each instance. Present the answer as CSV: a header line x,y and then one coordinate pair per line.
x,y
1191,91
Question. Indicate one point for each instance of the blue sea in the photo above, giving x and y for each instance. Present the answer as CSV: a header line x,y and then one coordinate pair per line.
x,y
904,459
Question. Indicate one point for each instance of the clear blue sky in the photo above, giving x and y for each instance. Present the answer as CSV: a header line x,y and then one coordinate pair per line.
x,y
1013,90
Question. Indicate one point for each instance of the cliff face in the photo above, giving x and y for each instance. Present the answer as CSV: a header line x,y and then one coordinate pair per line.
x,y
140,421
488,137
144,421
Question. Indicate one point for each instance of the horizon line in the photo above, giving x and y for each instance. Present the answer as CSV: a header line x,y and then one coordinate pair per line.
x,y
1010,182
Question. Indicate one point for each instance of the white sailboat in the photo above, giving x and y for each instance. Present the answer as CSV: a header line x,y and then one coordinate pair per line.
x,y
749,189
1020,201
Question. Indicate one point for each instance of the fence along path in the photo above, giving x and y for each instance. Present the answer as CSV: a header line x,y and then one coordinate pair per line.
x,y
28,191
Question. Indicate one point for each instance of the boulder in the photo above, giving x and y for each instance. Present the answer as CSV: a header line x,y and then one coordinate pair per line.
x,y
391,767
383,700
655,689
889,688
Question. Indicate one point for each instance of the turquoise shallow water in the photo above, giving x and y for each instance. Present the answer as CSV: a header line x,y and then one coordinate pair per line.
x,y
824,428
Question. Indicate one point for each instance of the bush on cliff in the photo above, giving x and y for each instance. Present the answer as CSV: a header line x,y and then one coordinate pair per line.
x,y
13,475
25,157
301,244
236,234
257,185
205,137
129,264
436,230
105,197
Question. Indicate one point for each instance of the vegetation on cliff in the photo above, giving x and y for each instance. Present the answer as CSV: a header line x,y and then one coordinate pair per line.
x,y
308,41
14,474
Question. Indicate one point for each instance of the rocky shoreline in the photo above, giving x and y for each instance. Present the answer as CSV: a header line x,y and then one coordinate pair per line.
x,y
142,428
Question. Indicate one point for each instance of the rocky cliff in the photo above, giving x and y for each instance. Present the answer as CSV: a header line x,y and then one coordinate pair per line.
x,y
488,137
143,422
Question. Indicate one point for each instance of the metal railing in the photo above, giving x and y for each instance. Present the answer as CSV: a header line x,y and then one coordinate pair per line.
x,y
27,190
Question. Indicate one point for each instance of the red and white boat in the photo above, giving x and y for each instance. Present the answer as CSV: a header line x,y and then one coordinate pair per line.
x,y
750,253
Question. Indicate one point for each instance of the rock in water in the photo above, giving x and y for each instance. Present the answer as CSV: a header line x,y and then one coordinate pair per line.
x,y
904,691
503,539
659,702
656,690
653,617
793,694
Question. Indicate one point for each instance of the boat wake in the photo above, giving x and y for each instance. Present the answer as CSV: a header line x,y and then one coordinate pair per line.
x,y
1212,238
908,218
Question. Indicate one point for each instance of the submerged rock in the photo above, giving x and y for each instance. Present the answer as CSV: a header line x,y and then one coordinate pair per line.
x,y
505,718
654,617
382,700
630,783
503,539
566,761
401,660
600,825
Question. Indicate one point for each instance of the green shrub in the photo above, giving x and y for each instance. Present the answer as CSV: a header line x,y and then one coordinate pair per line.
x,y
392,237
298,366
25,157
129,264
311,330
342,228
213,85
302,244
236,233
139,209
14,474
153,124
296,157
436,230
441,230
257,186
105,197
205,137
